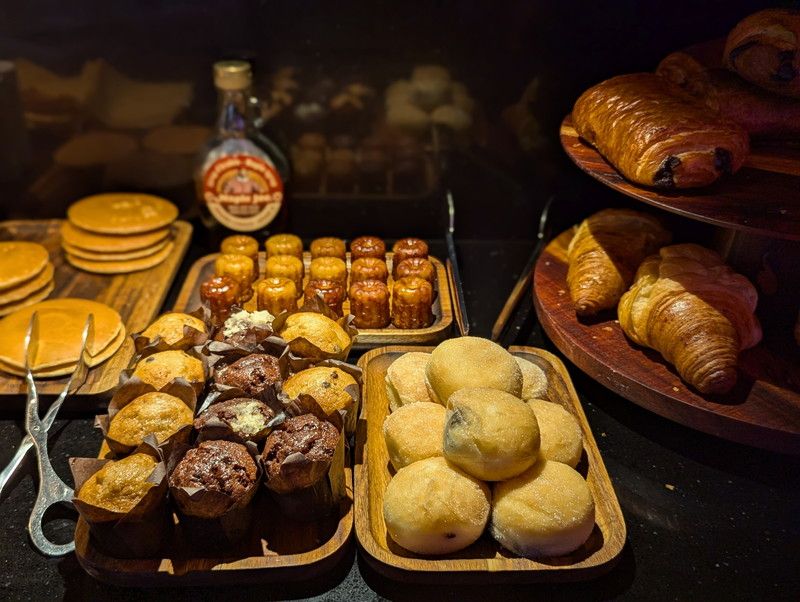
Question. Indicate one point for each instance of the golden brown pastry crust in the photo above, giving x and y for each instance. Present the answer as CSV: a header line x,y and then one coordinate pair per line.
x,y
656,135
604,254
276,295
696,311
764,48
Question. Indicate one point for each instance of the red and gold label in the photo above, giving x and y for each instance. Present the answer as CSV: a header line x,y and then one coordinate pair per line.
x,y
242,192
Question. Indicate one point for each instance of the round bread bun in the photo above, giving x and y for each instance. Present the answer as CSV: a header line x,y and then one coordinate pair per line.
x,y
414,432
326,384
160,369
471,362
122,213
20,261
559,431
534,380
546,511
490,434
432,507
405,380
308,333
170,327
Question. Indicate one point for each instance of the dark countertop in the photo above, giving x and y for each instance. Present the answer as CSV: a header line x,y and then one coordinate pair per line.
x,y
706,519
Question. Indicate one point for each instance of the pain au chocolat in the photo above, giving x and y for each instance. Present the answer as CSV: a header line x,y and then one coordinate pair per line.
x,y
656,135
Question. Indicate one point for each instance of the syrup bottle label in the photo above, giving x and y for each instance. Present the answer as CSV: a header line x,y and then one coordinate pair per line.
x,y
243,192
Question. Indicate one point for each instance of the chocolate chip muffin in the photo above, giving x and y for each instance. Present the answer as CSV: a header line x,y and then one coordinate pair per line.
x,y
307,435
246,419
255,374
162,368
158,413
221,466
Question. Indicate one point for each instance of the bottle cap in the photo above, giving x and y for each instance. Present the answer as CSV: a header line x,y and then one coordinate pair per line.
x,y
232,75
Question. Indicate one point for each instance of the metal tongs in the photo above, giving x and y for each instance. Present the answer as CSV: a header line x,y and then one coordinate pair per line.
x,y
52,490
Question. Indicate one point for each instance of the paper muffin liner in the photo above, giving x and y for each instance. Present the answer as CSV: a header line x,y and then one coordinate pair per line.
x,y
322,498
211,519
134,388
191,336
292,364
126,376
301,346
138,533
217,429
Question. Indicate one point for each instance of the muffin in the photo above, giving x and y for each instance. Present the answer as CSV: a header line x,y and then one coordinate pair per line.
x,y
314,439
255,374
246,328
367,246
412,303
160,369
368,268
310,334
284,244
153,413
170,327
406,248
276,295
286,266
119,486
416,266
326,384
369,304
240,268
328,268
240,244
219,293
332,292
328,246
223,467
240,419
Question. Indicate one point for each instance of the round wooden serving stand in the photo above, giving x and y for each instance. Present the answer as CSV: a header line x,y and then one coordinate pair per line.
x,y
759,204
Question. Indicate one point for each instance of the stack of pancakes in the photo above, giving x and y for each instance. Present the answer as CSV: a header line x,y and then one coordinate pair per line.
x,y
118,233
61,323
26,275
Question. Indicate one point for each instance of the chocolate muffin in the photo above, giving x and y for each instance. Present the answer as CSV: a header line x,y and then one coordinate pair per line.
x,y
307,435
222,466
255,374
245,418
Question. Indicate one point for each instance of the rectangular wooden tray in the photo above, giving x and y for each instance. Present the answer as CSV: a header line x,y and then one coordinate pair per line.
x,y
136,296
278,550
203,269
485,560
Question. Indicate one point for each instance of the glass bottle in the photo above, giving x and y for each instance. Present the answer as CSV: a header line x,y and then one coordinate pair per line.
x,y
241,174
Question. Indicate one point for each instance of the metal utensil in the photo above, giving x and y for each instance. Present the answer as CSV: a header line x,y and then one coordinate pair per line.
x,y
52,490
452,262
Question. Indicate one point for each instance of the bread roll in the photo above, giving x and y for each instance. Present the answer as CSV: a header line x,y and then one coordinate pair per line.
x,y
546,511
432,507
471,362
414,432
490,434
534,380
559,432
405,380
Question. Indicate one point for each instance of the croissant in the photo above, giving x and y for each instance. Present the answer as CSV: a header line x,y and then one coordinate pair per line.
x,y
657,135
761,113
604,254
764,49
696,311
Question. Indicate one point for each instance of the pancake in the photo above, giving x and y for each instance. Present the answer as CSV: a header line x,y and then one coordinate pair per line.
x,y
28,288
122,213
110,243
35,297
20,261
121,267
126,256
61,323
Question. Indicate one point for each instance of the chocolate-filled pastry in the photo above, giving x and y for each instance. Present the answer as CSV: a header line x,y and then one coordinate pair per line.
x,y
762,114
412,302
368,268
656,135
406,248
332,292
328,246
764,49
276,295
255,374
367,246
416,266
313,439
241,269
246,418
219,293
369,304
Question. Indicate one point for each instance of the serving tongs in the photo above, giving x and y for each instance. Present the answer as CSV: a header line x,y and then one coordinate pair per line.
x,y
52,490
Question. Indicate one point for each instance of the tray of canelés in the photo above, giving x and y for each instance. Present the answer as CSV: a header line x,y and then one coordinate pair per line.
x,y
395,296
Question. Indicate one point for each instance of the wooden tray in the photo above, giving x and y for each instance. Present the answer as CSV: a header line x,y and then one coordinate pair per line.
x,y
203,269
278,550
485,560
137,297
763,410
761,198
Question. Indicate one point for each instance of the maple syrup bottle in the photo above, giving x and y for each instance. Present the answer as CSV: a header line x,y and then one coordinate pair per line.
x,y
242,174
